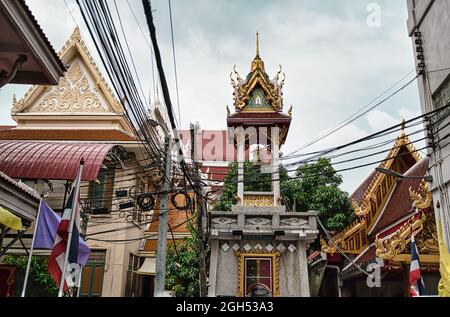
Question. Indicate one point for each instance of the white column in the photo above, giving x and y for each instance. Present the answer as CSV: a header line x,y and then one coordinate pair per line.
x,y
275,165
241,159
303,269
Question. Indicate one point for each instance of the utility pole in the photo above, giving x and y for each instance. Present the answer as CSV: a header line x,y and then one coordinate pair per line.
x,y
200,214
160,274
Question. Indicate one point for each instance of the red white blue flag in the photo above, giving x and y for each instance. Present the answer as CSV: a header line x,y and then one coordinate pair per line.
x,y
417,286
79,252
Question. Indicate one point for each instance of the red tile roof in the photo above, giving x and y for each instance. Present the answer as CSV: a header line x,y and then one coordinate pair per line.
x,y
51,160
64,135
400,204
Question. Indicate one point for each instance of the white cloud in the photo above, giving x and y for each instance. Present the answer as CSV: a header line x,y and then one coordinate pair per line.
x,y
379,120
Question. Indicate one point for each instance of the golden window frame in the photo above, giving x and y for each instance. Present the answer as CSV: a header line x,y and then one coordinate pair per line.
x,y
274,255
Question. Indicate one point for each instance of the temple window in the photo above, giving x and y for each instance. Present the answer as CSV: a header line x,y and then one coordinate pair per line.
x,y
258,277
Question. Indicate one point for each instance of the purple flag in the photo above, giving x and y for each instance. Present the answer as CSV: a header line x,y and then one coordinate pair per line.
x,y
46,233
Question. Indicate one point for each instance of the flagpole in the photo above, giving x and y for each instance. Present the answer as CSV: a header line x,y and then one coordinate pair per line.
x,y
30,254
70,229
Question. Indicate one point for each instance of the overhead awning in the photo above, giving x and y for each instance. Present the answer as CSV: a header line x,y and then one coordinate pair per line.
x,y
10,220
26,55
148,267
51,160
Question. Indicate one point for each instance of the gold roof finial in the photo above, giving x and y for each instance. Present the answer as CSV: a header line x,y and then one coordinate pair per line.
x,y
403,126
257,61
257,43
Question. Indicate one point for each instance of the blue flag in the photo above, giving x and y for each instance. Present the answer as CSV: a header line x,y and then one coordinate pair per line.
x,y
46,233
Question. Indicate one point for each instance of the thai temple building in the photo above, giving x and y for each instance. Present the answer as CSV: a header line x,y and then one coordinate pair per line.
x,y
388,210
259,249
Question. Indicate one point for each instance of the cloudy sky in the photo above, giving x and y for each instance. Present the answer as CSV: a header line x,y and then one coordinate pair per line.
x,y
335,56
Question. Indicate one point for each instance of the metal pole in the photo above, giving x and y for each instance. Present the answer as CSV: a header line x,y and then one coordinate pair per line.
x,y
70,229
203,290
30,255
160,274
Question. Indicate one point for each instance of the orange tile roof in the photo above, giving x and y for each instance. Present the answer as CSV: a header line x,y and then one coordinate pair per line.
x,y
178,222
64,135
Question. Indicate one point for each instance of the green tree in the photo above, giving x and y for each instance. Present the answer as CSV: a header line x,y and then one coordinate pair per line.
x,y
40,282
182,273
316,187
254,181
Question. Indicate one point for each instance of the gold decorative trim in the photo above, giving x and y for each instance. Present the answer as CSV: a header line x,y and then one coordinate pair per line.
x,y
75,41
258,200
73,94
340,238
275,255
360,210
395,244
422,198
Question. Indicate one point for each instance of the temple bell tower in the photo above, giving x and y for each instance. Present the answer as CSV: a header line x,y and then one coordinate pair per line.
x,y
259,249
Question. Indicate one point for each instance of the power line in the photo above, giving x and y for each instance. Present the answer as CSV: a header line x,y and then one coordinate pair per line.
x,y
174,62
359,114
149,46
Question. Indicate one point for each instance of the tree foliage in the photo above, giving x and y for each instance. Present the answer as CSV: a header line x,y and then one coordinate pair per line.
x,y
182,273
40,282
316,187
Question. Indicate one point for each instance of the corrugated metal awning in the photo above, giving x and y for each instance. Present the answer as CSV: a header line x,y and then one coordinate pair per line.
x,y
51,160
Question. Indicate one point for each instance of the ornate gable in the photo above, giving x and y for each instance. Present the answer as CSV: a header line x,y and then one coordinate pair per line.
x,y
83,89
257,93
370,206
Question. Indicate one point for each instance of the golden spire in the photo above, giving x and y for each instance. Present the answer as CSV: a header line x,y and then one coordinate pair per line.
x,y
402,127
257,43
257,61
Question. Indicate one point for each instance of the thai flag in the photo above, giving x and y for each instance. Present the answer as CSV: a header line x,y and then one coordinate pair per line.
x,y
417,286
77,257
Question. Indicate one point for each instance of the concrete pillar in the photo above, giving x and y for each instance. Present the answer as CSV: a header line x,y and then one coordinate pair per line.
x,y
213,268
241,159
303,268
276,165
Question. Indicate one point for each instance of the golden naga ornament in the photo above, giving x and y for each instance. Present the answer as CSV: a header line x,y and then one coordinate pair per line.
x,y
422,198
360,210
388,248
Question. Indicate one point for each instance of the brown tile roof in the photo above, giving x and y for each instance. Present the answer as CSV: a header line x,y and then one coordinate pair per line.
x,y
358,194
65,135
400,204
367,256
